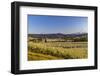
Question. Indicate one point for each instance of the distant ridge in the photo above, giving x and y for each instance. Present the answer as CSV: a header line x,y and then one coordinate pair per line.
x,y
58,35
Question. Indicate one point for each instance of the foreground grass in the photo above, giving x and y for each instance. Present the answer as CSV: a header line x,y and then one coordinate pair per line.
x,y
37,56
57,50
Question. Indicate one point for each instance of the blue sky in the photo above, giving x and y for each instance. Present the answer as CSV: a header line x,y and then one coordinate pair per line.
x,y
43,24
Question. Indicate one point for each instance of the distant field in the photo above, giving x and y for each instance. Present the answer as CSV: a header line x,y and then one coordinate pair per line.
x,y
57,50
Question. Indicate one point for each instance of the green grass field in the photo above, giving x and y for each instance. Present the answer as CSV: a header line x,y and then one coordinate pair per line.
x,y
57,50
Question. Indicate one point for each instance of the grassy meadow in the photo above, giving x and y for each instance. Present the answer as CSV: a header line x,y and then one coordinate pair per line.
x,y
54,50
